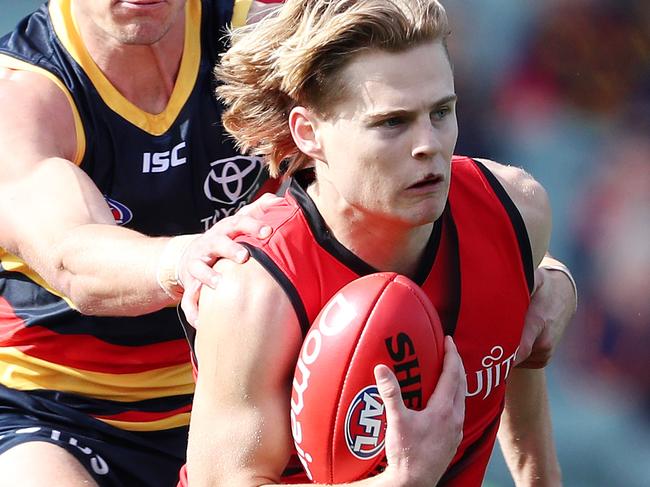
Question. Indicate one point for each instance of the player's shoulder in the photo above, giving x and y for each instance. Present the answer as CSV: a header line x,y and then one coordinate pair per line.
x,y
530,198
36,108
283,217
246,292
249,306
512,177
520,185
29,84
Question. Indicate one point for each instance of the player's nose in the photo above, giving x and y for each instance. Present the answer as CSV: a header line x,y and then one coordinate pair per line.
x,y
425,140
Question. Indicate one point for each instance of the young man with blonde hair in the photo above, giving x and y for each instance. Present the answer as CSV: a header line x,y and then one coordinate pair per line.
x,y
355,100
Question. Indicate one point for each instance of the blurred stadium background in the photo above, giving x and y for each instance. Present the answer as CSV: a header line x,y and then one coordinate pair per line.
x,y
562,88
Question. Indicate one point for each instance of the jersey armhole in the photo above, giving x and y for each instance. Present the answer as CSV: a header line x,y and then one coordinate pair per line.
x,y
18,65
280,277
517,221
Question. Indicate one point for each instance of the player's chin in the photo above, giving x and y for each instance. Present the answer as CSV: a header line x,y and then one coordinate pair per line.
x,y
422,210
421,215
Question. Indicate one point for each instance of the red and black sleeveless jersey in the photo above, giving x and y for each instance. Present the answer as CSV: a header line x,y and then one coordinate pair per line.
x,y
477,269
162,174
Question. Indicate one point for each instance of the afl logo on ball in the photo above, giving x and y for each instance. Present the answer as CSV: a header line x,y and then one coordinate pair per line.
x,y
232,179
365,424
120,212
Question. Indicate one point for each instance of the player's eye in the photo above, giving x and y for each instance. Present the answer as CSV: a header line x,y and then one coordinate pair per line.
x,y
440,113
392,122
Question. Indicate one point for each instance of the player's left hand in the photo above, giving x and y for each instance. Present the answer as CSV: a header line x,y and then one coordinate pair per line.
x,y
195,266
551,309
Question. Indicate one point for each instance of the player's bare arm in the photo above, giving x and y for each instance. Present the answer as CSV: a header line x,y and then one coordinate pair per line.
x,y
246,355
525,433
55,219
553,305
554,299
246,349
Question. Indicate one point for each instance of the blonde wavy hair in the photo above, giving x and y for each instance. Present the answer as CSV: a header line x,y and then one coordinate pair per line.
x,y
294,57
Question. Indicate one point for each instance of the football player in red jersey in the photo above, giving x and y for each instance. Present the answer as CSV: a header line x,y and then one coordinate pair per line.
x,y
356,100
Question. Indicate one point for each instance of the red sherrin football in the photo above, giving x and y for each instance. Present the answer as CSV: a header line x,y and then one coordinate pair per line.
x,y
337,416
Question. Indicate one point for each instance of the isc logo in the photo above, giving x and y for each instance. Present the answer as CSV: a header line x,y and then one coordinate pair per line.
x,y
161,161
365,422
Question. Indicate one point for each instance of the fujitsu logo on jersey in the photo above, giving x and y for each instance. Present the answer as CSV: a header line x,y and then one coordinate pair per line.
x,y
310,351
495,371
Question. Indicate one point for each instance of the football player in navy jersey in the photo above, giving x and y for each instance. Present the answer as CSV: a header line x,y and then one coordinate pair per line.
x,y
356,101
113,166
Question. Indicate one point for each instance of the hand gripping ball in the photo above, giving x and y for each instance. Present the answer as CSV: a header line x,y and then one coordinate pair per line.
x,y
338,421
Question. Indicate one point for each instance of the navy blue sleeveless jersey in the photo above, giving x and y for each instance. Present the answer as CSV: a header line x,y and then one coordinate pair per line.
x,y
161,174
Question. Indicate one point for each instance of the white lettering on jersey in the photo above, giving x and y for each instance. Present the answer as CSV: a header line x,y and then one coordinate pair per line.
x,y
495,371
162,161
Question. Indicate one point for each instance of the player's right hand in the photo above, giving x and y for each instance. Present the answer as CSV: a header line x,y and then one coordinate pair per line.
x,y
421,444
195,267
552,306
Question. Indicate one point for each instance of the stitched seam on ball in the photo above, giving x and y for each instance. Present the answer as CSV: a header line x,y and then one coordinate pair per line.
x,y
349,362
424,306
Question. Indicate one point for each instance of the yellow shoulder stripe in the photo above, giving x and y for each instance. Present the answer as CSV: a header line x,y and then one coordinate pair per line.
x,y
181,419
11,263
240,12
16,64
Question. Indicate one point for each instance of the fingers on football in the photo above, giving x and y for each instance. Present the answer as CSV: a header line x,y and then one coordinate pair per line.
x,y
389,390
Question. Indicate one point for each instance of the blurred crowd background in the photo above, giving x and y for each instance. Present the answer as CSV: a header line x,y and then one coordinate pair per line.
x,y
562,88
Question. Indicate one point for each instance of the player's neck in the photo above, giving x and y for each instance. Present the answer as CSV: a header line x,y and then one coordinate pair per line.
x,y
385,244
144,74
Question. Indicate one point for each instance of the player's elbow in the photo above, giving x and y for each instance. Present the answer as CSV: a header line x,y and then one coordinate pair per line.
x,y
87,296
86,302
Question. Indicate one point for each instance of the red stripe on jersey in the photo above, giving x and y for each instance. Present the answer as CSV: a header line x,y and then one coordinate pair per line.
x,y
144,416
9,322
84,351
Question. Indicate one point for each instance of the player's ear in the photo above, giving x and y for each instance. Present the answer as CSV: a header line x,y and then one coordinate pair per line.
x,y
303,124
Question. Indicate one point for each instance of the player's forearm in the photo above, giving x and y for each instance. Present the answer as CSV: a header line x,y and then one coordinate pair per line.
x,y
570,290
525,434
107,270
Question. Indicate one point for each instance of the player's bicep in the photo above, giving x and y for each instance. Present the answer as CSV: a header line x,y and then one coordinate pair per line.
x,y
37,119
246,348
42,193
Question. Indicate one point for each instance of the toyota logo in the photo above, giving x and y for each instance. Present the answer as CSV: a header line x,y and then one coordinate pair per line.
x,y
232,179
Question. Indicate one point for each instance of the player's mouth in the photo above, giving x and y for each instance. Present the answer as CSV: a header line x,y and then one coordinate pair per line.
x,y
140,5
431,182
